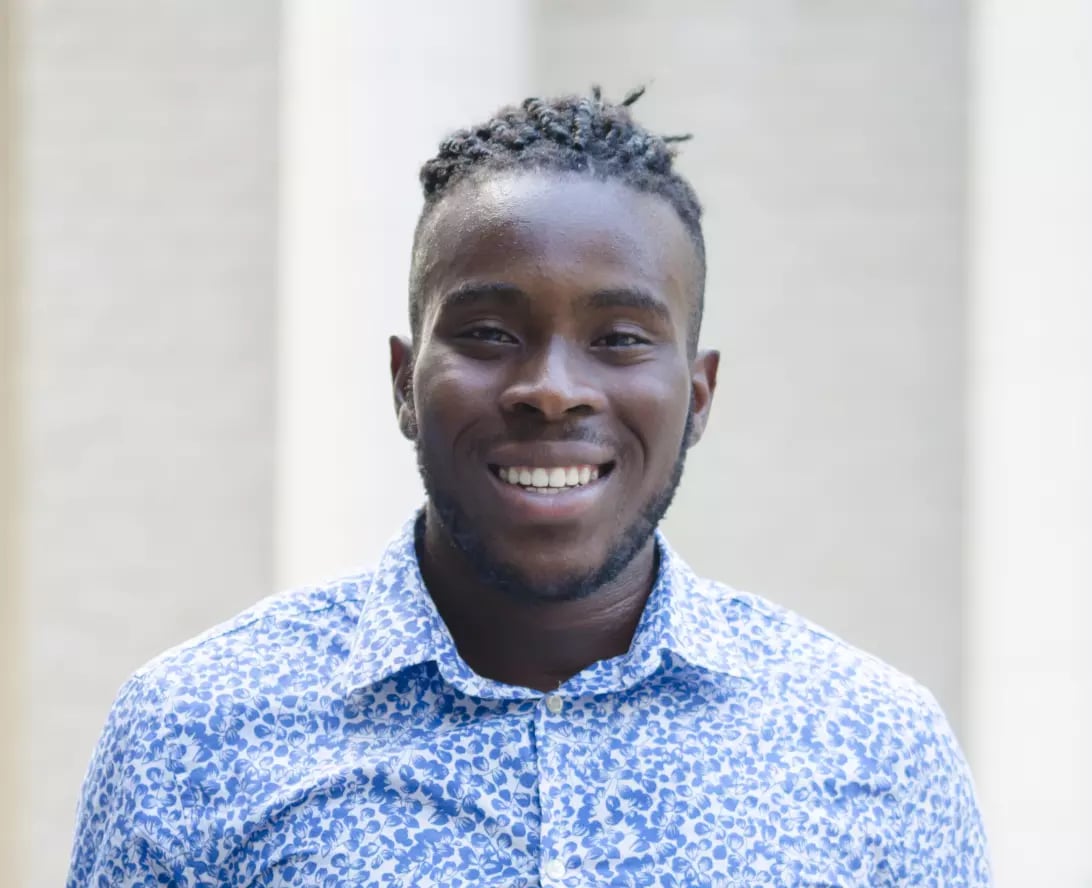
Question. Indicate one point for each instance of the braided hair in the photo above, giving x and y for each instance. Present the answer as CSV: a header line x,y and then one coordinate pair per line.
x,y
578,134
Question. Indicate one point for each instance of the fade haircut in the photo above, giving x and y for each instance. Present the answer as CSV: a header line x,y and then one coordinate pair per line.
x,y
570,134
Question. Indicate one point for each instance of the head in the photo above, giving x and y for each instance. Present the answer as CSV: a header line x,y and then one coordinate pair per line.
x,y
553,384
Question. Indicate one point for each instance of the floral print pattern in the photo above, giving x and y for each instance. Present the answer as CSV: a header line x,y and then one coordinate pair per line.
x,y
332,736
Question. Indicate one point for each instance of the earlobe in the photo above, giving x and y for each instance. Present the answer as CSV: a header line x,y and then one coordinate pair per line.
x,y
402,383
407,421
703,384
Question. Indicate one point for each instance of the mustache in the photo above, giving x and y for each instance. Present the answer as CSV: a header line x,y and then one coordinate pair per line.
x,y
560,433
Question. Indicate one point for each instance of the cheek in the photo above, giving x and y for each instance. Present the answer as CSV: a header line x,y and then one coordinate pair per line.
x,y
656,414
449,397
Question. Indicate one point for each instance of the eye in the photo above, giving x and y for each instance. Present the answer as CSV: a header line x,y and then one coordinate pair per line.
x,y
621,340
488,334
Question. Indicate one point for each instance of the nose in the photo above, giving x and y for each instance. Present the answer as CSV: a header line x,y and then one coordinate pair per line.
x,y
553,381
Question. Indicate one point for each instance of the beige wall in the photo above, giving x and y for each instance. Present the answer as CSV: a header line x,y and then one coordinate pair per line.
x,y
148,168
12,703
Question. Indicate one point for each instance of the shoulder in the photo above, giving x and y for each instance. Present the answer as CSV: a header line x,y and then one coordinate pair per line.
x,y
304,632
870,728
203,695
847,704
798,664
189,716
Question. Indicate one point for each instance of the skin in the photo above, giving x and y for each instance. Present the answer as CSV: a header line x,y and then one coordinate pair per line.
x,y
555,321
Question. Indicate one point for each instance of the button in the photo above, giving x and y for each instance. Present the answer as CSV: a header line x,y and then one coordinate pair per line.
x,y
555,704
555,869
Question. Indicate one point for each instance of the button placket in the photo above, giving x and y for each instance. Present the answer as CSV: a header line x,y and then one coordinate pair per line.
x,y
554,869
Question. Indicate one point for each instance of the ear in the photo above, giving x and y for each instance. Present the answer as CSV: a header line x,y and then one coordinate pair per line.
x,y
402,380
703,383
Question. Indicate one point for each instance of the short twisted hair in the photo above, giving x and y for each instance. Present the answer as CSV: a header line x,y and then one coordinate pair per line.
x,y
571,134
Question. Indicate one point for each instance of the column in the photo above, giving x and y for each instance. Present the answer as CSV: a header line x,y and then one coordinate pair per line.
x,y
369,91
12,702
1030,437
147,138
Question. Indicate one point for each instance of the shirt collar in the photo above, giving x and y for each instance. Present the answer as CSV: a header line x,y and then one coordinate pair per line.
x,y
400,627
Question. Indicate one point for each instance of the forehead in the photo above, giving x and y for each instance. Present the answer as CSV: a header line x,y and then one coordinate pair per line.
x,y
556,229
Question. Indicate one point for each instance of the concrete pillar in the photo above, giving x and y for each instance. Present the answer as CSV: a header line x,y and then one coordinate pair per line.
x,y
12,700
1030,436
147,176
370,89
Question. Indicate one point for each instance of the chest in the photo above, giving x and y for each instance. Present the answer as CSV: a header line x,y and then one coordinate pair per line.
x,y
582,793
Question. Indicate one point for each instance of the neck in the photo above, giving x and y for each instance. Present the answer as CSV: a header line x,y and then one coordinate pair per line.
x,y
531,643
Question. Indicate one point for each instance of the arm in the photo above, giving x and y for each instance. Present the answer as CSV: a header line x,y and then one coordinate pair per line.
x,y
944,844
116,841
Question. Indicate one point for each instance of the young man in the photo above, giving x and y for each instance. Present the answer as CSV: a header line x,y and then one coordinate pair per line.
x,y
532,688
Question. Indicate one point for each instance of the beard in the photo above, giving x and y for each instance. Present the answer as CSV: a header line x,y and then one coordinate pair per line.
x,y
465,538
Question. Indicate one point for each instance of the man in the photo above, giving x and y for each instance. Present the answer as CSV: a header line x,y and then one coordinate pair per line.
x,y
531,687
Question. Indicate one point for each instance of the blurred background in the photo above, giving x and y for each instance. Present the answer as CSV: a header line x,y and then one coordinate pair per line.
x,y
207,210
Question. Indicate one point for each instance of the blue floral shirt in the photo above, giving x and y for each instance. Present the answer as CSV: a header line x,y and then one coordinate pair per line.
x,y
333,736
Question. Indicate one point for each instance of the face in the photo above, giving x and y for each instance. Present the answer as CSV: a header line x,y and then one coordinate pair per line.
x,y
550,393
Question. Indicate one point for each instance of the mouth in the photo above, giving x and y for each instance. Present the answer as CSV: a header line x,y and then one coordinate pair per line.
x,y
551,480
551,495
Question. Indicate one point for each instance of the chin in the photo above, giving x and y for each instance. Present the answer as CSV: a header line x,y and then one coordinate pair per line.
x,y
540,562
556,574
546,589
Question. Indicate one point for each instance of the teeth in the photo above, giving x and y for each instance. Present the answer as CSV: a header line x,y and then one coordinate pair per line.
x,y
551,480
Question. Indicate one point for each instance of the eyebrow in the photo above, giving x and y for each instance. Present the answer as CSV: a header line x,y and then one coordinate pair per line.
x,y
468,294
631,297
613,297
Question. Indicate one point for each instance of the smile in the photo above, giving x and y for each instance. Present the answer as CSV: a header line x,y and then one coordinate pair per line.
x,y
550,479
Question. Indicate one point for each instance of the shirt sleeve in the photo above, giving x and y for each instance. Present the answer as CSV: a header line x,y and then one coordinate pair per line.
x,y
114,844
944,842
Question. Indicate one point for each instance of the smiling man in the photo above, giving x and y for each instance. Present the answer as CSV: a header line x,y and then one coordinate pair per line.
x,y
531,687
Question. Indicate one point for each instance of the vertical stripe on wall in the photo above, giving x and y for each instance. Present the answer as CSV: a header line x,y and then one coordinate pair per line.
x,y
1030,434
11,697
